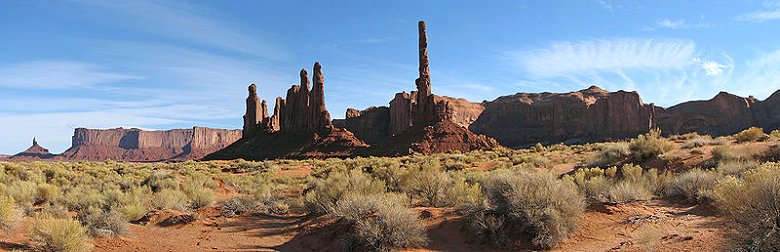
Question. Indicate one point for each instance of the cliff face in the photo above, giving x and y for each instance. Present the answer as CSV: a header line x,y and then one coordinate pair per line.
x,y
584,115
139,145
722,115
300,127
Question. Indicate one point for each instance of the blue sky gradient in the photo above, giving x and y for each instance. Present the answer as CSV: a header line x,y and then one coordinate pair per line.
x,y
177,64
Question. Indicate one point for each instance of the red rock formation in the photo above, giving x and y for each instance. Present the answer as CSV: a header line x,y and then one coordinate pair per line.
x,y
593,113
419,121
35,152
299,128
139,145
722,115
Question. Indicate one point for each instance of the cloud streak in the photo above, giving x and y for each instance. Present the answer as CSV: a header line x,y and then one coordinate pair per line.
x,y
57,74
563,58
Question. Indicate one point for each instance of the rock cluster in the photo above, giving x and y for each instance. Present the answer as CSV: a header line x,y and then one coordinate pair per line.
x,y
419,121
300,127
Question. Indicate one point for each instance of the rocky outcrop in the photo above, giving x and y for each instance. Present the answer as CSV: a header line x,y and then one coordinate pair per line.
x,y
299,128
593,113
724,114
419,121
139,145
35,152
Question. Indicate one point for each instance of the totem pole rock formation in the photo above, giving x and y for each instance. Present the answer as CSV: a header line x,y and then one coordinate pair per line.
x,y
418,121
300,126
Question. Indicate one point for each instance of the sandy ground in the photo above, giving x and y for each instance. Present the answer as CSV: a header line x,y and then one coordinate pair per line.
x,y
655,225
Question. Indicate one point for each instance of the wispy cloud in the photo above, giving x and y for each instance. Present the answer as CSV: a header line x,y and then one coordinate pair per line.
x,y
605,5
664,71
193,23
57,74
563,58
677,24
770,11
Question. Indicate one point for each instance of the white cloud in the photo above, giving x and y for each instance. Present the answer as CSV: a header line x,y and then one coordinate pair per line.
x,y
57,74
563,58
678,24
713,68
771,11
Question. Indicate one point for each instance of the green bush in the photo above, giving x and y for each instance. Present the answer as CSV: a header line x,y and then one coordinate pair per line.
x,y
649,145
532,203
60,235
9,213
750,135
753,202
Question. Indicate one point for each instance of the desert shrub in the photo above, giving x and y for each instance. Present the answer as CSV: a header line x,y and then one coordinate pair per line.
x,y
170,199
695,143
694,185
533,203
160,180
632,184
775,134
381,222
48,192
750,135
9,213
610,155
724,153
23,192
199,195
735,167
752,203
628,191
323,194
464,195
59,235
132,211
236,206
649,145
101,223
430,185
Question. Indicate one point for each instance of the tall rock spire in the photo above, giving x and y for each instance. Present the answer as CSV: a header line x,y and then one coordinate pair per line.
x,y
424,80
253,112
321,116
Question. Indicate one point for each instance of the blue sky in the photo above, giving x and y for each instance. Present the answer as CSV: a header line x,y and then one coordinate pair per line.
x,y
177,64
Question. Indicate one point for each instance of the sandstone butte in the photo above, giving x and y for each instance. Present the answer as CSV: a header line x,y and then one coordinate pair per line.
x,y
137,145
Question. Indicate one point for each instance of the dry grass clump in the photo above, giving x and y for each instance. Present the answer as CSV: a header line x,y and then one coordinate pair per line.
x,y
527,203
751,134
694,185
381,222
753,202
59,235
627,184
10,215
649,145
323,194
610,154
101,223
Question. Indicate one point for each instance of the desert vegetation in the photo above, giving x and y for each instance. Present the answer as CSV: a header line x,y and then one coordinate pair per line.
x,y
502,197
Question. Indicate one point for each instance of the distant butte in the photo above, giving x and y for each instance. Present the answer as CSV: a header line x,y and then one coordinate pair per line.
x,y
35,152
